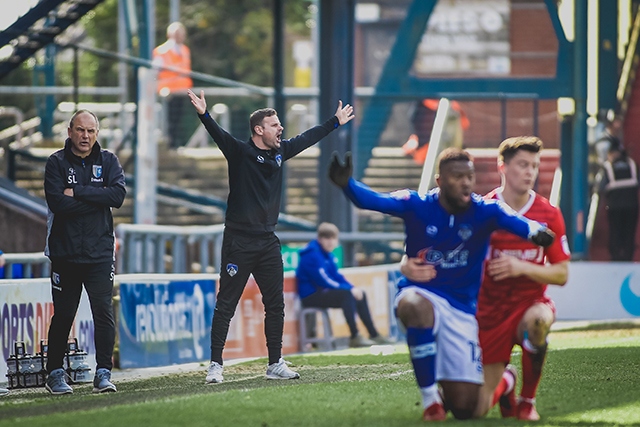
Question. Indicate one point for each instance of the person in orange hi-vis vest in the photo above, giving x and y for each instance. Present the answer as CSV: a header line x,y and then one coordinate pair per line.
x,y
174,53
422,119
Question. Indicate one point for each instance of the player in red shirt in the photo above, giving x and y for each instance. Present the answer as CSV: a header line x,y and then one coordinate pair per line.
x,y
512,305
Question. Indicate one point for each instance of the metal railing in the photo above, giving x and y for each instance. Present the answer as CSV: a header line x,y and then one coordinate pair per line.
x,y
175,249
34,264
161,248
30,204
197,249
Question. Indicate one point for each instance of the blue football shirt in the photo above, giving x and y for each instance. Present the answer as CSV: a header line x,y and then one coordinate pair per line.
x,y
455,244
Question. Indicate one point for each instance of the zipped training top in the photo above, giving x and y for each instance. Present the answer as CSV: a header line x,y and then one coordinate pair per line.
x,y
255,175
80,228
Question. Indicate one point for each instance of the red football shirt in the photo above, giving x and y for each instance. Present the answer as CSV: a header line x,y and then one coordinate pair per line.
x,y
497,298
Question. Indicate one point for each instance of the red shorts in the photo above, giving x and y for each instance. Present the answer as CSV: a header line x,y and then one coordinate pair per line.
x,y
497,342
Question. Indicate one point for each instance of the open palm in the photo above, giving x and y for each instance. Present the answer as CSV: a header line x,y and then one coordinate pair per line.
x,y
198,101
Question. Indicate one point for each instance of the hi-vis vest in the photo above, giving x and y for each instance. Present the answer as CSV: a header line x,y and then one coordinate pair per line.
x,y
627,179
170,58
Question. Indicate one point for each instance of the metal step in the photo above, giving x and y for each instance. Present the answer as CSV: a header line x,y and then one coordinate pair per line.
x,y
28,35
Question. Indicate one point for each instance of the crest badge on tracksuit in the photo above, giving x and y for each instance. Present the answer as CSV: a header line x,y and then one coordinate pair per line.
x,y
97,171
232,269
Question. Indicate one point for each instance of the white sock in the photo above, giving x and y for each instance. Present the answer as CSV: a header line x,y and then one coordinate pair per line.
x,y
511,382
430,395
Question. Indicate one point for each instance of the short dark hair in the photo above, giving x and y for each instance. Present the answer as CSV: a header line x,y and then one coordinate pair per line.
x,y
510,146
453,154
77,113
258,116
616,147
327,230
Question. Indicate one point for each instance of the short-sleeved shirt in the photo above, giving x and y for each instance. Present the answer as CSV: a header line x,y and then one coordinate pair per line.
x,y
497,298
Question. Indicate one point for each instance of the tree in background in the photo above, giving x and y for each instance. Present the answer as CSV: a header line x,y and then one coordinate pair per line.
x,y
227,39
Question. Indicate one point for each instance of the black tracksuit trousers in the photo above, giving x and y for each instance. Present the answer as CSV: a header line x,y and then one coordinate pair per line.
x,y
244,254
67,279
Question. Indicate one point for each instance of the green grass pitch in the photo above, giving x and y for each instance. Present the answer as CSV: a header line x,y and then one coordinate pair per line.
x,y
592,378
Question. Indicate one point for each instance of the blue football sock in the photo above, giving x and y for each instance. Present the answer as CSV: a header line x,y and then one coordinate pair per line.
x,y
423,349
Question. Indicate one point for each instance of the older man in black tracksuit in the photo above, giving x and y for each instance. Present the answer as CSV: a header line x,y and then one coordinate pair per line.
x,y
250,244
82,183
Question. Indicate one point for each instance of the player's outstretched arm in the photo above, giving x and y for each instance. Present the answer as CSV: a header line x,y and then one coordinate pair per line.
x,y
361,195
344,114
507,219
198,102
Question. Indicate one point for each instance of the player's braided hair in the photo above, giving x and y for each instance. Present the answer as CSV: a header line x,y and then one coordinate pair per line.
x,y
510,146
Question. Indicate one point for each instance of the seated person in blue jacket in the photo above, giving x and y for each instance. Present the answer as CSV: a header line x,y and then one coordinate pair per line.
x,y
321,285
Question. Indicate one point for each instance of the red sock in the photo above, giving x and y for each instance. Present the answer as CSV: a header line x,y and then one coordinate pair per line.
x,y
532,370
504,386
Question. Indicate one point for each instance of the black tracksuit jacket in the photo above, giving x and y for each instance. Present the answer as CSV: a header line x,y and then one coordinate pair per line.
x,y
255,175
80,228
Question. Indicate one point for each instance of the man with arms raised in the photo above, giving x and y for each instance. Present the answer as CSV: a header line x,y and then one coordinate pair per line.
x,y
249,244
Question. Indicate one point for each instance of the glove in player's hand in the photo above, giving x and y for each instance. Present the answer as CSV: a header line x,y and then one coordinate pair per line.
x,y
339,173
543,237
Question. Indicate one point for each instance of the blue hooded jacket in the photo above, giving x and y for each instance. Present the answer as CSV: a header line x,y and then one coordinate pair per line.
x,y
318,270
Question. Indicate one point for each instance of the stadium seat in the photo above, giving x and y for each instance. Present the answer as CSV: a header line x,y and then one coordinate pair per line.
x,y
308,315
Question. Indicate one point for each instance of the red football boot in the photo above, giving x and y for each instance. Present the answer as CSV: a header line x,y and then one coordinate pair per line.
x,y
527,410
435,412
508,403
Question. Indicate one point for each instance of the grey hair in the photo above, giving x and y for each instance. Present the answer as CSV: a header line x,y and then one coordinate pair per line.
x,y
77,113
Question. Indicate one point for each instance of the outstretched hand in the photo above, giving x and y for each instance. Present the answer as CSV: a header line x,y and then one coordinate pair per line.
x,y
198,102
344,114
543,237
339,173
